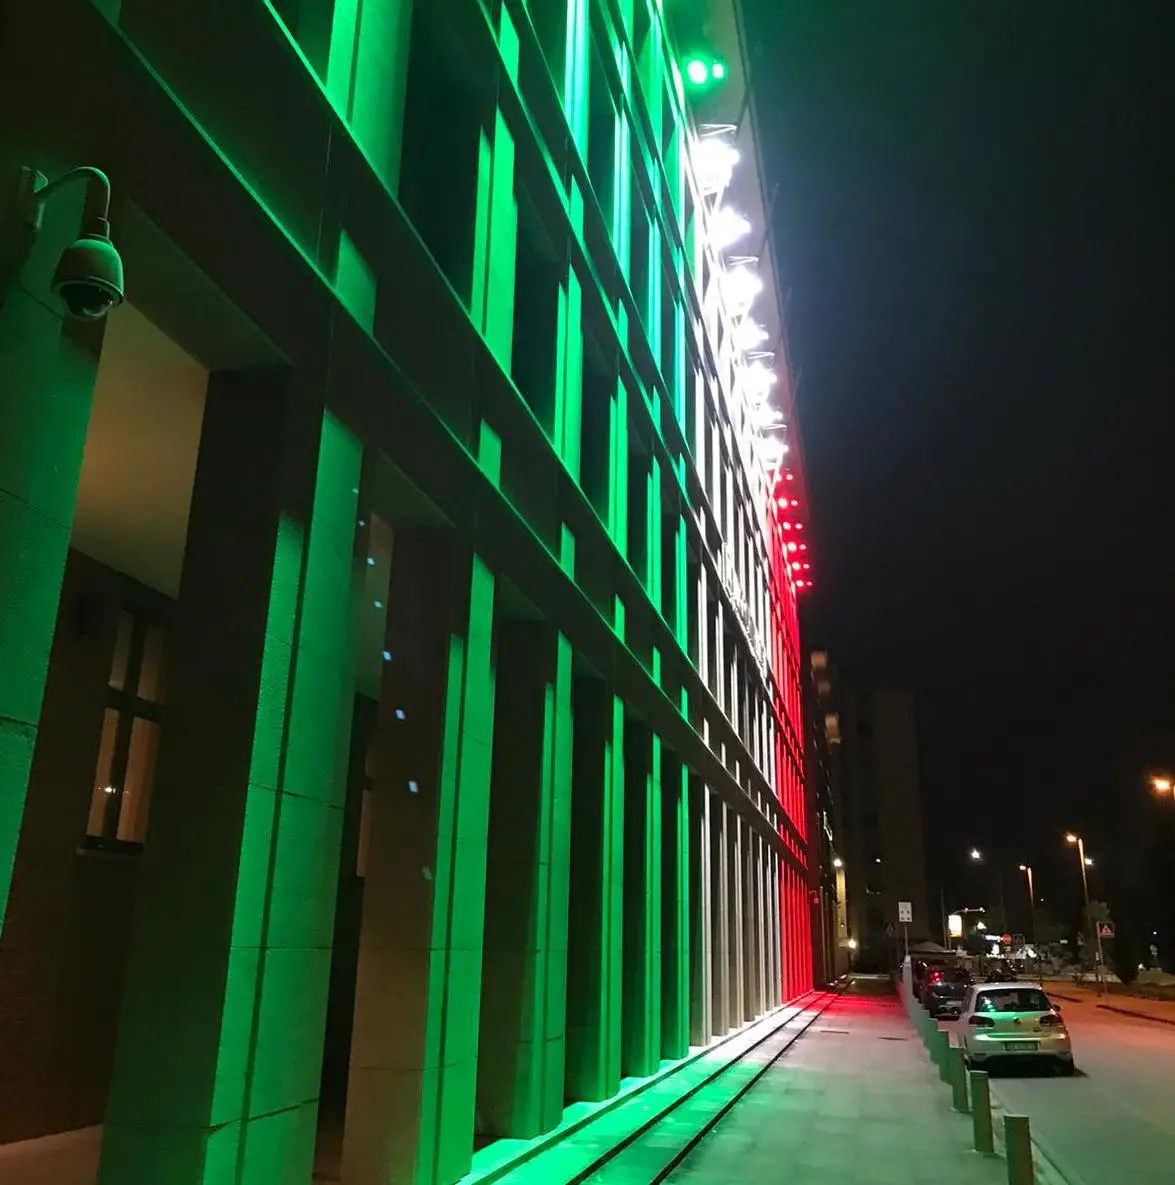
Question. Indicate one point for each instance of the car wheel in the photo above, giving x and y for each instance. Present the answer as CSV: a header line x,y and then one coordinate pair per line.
x,y
1067,1069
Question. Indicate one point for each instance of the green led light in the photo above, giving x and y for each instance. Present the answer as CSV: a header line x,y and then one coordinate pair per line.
x,y
696,71
718,71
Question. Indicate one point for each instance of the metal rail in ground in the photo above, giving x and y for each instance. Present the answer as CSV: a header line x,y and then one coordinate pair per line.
x,y
611,1154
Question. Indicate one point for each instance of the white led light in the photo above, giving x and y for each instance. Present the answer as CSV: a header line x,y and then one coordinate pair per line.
x,y
748,334
771,450
740,286
727,227
763,415
757,381
714,160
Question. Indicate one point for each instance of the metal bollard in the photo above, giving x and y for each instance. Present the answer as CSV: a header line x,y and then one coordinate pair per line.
x,y
981,1112
958,1080
1018,1150
942,1054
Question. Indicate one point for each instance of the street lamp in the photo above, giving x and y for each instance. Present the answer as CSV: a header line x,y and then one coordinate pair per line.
x,y
1071,838
1027,870
977,858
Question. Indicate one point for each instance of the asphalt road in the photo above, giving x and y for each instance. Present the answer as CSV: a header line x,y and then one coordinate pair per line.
x,y
1113,1122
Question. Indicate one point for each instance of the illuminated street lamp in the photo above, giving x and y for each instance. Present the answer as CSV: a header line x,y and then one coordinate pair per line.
x,y
1071,838
1161,785
1027,870
976,855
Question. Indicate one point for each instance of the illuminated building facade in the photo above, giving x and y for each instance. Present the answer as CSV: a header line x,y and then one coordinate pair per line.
x,y
400,715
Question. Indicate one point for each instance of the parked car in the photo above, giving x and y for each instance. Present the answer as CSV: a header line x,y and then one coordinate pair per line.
x,y
1006,1021
943,990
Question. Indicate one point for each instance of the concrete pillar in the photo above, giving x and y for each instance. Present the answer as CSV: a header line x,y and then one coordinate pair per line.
x,y
701,1018
737,925
641,1022
676,908
595,957
776,929
720,908
524,997
46,390
754,927
411,1090
220,1046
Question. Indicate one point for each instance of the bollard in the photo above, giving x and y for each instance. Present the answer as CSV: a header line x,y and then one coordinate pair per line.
x,y
981,1112
958,1079
942,1054
1018,1150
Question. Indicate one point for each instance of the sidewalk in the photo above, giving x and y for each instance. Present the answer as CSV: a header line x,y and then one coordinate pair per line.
x,y
856,1100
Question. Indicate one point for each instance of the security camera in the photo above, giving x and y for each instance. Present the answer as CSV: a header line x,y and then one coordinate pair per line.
x,y
88,279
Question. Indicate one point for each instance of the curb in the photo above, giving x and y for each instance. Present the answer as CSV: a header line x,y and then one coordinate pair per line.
x,y
1047,1172
1159,1020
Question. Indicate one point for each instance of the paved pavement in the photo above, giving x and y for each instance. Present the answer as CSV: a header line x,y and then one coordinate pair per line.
x,y
855,1101
1115,1121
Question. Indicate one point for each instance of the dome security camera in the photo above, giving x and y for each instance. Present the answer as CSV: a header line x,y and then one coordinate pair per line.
x,y
88,279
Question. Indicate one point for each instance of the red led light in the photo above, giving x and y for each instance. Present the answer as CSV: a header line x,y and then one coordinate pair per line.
x,y
803,547
786,526
789,476
799,526
791,546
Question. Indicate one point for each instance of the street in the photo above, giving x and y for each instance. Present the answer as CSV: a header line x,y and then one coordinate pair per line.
x,y
1115,1120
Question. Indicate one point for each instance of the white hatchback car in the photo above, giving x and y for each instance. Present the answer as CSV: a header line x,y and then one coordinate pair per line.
x,y
1002,1021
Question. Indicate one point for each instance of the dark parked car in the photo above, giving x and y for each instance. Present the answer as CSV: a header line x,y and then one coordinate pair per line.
x,y
943,990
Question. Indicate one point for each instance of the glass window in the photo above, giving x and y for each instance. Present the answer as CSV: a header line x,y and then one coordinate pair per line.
x,y
124,774
1013,1000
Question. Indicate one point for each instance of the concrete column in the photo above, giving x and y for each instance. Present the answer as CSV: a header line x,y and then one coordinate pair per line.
x,y
701,1017
641,1024
753,928
676,909
720,908
776,929
737,924
220,1047
46,389
524,997
595,957
411,1089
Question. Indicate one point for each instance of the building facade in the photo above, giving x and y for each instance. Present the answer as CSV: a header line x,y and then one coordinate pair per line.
x,y
831,938
883,852
400,706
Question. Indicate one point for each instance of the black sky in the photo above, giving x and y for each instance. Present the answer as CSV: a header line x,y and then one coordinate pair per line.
x,y
974,218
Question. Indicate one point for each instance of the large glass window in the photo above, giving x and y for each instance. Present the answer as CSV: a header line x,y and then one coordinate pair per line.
x,y
125,771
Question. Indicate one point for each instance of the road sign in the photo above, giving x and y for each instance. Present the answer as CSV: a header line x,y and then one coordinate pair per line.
x,y
905,912
890,930
1105,930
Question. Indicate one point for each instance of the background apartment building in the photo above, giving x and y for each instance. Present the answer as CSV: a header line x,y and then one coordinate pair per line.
x,y
866,758
400,730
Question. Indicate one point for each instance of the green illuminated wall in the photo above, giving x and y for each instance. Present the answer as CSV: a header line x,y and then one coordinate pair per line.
x,y
559,891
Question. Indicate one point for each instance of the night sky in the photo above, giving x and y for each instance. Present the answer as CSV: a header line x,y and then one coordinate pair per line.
x,y
973,216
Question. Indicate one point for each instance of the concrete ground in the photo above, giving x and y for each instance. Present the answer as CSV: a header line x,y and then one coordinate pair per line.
x,y
1115,1121
856,1101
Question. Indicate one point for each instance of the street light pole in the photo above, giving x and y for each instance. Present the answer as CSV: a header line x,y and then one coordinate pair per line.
x,y
1097,934
1027,870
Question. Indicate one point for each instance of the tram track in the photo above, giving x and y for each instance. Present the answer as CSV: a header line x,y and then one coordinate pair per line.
x,y
660,1145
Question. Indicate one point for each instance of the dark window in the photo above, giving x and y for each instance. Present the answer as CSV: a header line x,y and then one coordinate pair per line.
x,y
125,772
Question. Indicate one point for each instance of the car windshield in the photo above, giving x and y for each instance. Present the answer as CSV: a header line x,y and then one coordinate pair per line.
x,y
1013,1000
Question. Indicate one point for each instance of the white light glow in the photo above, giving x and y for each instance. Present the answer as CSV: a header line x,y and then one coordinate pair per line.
x,y
771,450
714,160
740,286
727,227
748,334
758,381
763,415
